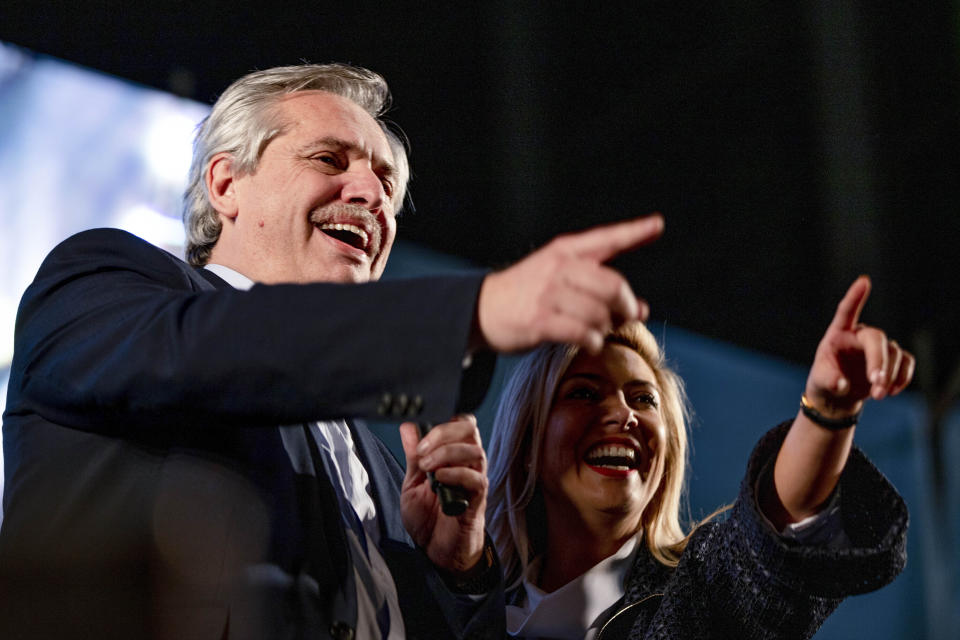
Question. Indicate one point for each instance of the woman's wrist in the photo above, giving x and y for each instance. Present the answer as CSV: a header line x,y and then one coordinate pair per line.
x,y
827,414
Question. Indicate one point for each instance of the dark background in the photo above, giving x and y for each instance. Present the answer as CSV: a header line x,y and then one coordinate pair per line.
x,y
791,146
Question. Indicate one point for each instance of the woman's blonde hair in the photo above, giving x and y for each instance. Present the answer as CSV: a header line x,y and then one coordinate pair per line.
x,y
515,513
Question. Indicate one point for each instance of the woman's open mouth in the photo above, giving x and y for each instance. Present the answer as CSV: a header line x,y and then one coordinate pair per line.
x,y
613,459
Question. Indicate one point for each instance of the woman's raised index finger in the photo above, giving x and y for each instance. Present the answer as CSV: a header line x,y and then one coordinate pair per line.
x,y
850,307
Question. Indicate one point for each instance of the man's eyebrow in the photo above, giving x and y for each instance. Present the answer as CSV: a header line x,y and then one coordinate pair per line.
x,y
383,166
338,144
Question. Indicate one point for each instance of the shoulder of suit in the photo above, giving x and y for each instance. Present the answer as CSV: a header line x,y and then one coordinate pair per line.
x,y
105,240
104,249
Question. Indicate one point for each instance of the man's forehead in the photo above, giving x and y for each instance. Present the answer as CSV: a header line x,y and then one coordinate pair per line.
x,y
320,116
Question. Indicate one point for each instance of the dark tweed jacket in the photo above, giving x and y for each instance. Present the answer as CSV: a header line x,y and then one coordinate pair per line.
x,y
738,579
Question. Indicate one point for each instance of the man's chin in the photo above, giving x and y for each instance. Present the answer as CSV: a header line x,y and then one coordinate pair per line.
x,y
345,274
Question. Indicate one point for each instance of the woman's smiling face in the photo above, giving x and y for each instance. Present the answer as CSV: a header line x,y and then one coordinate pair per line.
x,y
605,440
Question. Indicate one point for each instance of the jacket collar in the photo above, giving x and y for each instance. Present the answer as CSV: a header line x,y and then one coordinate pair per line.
x,y
209,280
379,463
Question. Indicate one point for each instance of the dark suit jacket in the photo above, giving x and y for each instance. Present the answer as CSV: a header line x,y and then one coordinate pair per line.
x,y
149,492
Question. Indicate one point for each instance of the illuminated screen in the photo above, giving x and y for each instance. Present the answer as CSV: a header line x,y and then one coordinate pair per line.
x,y
78,150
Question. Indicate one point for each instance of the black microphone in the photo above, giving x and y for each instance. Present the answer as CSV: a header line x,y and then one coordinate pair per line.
x,y
453,499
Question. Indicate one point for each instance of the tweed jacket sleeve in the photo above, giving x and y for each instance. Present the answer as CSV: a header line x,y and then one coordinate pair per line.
x,y
738,579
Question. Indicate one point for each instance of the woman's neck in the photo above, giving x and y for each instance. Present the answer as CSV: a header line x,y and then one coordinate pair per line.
x,y
575,546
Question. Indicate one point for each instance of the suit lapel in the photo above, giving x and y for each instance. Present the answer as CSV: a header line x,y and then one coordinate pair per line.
x,y
386,480
327,551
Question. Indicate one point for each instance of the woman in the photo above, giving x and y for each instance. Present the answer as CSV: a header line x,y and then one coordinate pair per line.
x,y
587,465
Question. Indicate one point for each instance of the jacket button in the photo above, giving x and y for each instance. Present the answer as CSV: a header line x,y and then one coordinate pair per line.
x,y
400,405
341,631
416,406
386,402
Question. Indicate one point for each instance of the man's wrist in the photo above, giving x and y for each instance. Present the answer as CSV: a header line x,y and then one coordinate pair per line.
x,y
479,579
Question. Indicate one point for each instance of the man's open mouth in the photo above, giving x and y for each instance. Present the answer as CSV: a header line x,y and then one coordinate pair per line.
x,y
347,233
618,457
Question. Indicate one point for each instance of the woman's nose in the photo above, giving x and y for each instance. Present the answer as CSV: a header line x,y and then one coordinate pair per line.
x,y
620,414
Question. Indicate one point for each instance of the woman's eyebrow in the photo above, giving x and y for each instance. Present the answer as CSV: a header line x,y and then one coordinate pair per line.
x,y
589,376
593,377
645,384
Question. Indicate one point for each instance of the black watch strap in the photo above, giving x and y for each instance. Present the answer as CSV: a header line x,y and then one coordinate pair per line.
x,y
482,578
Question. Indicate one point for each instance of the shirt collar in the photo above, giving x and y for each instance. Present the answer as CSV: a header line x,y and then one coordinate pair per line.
x,y
234,278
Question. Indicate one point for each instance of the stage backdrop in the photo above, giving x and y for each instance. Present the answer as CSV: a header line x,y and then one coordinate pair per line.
x,y
79,150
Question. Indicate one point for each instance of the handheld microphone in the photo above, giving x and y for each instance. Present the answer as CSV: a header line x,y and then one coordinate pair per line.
x,y
453,499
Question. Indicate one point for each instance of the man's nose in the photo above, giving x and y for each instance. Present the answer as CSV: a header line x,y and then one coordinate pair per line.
x,y
363,187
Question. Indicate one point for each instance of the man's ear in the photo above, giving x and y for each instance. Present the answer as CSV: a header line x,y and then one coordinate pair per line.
x,y
220,178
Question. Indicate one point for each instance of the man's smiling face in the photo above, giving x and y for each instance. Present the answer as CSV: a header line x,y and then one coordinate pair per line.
x,y
319,205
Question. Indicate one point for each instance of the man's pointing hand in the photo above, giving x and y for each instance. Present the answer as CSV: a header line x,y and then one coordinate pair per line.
x,y
563,292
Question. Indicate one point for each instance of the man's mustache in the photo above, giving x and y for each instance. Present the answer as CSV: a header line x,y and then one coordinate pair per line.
x,y
353,214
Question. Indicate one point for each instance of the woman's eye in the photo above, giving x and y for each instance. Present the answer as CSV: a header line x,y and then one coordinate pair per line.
x,y
645,399
583,393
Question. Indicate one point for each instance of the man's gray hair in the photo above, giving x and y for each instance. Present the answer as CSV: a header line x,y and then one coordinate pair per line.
x,y
243,121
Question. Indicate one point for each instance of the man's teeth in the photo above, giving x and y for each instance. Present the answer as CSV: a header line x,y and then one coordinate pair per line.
x,y
338,226
614,456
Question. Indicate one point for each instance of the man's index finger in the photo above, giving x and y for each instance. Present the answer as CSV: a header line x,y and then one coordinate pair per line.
x,y
604,242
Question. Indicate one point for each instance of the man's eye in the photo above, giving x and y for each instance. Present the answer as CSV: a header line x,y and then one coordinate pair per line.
x,y
387,186
327,158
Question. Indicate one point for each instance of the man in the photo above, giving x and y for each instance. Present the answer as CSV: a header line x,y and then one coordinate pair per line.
x,y
184,452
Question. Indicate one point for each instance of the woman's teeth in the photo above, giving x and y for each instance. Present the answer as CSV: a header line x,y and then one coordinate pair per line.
x,y
615,456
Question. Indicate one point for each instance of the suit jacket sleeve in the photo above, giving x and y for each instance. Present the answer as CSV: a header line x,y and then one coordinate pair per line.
x,y
114,333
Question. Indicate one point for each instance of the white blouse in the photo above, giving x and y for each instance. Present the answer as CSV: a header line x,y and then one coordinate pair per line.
x,y
575,610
